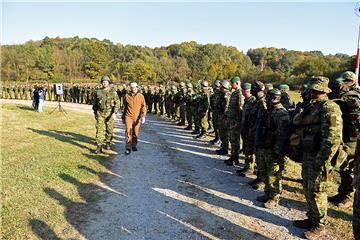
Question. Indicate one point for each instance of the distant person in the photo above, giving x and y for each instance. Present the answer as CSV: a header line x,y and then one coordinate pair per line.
x,y
41,93
133,116
35,103
106,103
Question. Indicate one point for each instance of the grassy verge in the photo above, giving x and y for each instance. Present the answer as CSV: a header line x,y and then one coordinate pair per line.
x,y
48,173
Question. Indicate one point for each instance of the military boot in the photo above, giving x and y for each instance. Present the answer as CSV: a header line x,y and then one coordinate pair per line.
x,y
305,223
336,199
98,149
196,131
215,140
107,146
315,232
189,127
222,151
201,136
255,181
263,198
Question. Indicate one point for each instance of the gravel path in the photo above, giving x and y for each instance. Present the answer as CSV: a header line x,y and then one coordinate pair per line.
x,y
175,187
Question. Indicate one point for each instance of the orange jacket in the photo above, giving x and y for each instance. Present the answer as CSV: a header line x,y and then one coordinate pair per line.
x,y
134,106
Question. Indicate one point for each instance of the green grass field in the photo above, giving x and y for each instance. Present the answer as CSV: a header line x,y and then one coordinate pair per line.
x,y
48,171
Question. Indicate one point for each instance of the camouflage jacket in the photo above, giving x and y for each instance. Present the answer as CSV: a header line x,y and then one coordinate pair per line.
x,y
106,101
322,134
287,102
234,110
203,102
276,128
257,119
216,101
246,123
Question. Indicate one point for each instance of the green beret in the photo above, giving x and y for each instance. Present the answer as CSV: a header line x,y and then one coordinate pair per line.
x,y
269,86
235,79
246,86
284,87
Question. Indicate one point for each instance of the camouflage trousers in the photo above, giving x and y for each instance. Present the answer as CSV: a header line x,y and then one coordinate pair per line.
x,y
215,123
356,212
346,170
223,134
315,188
104,127
260,155
204,125
182,110
234,137
161,108
248,150
197,121
156,108
274,165
189,116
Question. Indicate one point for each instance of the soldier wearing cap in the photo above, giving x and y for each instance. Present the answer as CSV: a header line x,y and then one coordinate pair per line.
x,y
349,102
275,132
268,87
321,138
233,120
248,139
180,104
188,99
105,105
285,98
133,116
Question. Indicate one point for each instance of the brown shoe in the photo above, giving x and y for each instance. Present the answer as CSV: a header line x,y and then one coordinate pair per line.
x,y
345,203
262,198
315,232
270,204
305,223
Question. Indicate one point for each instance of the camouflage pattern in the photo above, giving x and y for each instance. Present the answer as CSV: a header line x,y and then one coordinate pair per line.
x,y
105,105
215,107
287,102
233,118
356,205
321,139
246,134
203,107
189,112
275,129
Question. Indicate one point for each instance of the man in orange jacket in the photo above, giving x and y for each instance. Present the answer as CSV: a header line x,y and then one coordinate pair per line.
x,y
134,114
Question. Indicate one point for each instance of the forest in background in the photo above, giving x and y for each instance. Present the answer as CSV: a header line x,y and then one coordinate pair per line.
x,y
80,60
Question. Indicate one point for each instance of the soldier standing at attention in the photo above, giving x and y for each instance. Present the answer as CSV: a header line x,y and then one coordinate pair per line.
x,y
321,139
214,107
349,103
133,116
233,120
106,103
275,130
203,108
248,139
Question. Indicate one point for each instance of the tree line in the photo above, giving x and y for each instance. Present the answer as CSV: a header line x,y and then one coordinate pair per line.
x,y
77,60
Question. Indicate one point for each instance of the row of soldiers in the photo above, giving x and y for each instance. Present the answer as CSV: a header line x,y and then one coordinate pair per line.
x,y
321,132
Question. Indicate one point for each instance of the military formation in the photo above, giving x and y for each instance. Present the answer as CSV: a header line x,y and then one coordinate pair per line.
x,y
260,122
265,125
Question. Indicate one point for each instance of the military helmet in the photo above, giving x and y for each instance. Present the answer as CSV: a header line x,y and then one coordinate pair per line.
x,y
269,86
173,87
284,87
257,87
204,84
225,84
182,84
216,84
105,78
273,95
246,86
189,85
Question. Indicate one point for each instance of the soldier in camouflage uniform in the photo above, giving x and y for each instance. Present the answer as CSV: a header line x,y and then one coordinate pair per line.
x,y
203,108
188,100
156,100
256,120
172,104
285,98
275,130
181,105
320,140
222,109
233,120
161,100
356,184
246,124
194,110
214,104
349,103
106,104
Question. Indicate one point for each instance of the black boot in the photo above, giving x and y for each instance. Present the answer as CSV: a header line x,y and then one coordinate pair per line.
x,y
196,131
189,127
201,136
98,149
230,161
107,146
222,152
216,139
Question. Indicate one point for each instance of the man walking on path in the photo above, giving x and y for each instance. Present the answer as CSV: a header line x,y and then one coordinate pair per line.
x,y
105,105
133,116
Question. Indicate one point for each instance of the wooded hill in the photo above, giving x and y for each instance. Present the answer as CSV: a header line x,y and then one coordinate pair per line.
x,y
79,60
